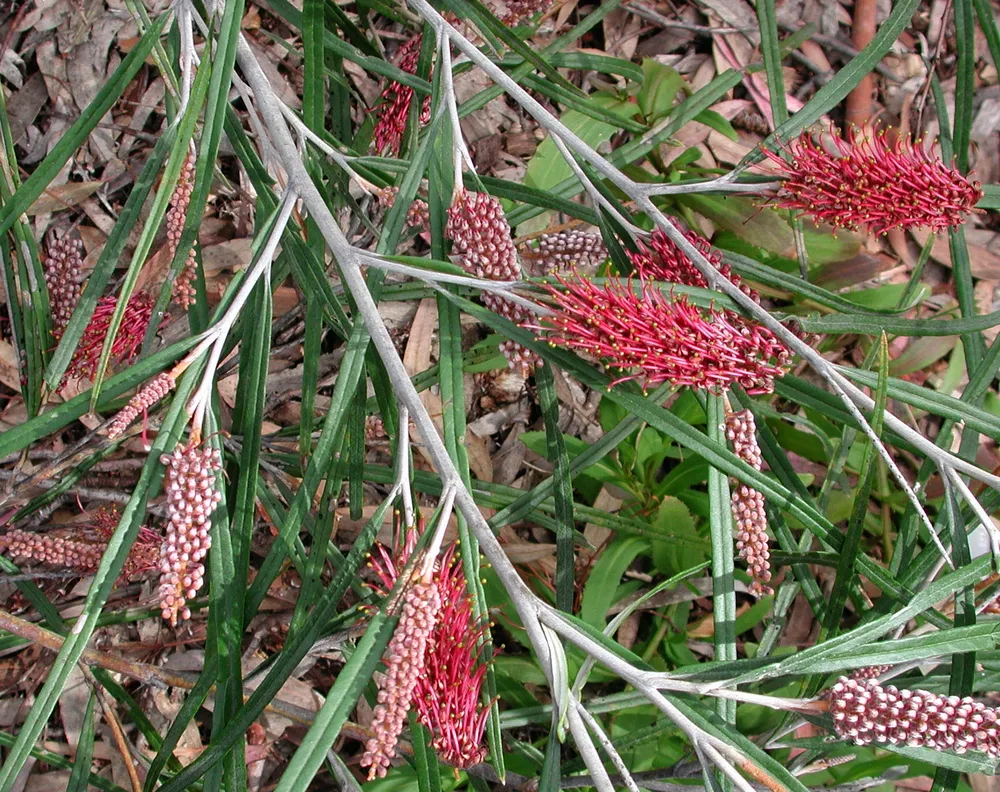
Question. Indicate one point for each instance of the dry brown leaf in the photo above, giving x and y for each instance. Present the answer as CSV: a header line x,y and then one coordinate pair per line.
x,y
72,706
63,196
984,262
417,358
9,370
621,33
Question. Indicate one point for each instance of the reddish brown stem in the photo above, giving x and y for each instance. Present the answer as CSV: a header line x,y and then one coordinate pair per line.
x,y
859,101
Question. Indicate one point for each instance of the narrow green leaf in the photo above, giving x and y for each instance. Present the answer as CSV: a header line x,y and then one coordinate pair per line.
x,y
79,779
561,488
723,564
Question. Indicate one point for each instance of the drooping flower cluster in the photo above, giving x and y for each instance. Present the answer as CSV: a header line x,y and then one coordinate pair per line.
x,y
865,712
481,238
128,341
192,496
482,244
148,395
569,250
662,260
81,550
871,183
396,100
62,277
749,514
656,339
79,556
405,661
183,290
448,695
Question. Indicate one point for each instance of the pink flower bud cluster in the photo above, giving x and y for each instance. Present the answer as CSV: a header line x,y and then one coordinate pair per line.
x,y
184,291
82,551
869,672
569,250
148,395
662,260
656,339
191,498
62,276
481,238
55,551
749,514
865,712
482,243
871,183
128,341
396,100
405,659
448,695
417,216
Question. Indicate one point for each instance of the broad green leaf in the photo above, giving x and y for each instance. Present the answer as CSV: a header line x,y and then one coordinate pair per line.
x,y
605,576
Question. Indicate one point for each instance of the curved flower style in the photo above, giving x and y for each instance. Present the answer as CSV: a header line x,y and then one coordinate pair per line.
x,y
867,712
870,183
397,98
661,259
448,695
655,339
128,341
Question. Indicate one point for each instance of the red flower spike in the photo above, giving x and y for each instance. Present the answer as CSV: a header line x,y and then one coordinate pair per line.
x,y
397,98
866,712
448,694
418,214
481,237
655,339
82,549
127,343
143,556
870,183
79,556
662,260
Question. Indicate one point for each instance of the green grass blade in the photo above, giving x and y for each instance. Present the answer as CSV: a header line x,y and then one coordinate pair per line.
x,y
79,779
723,564
852,539
561,488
